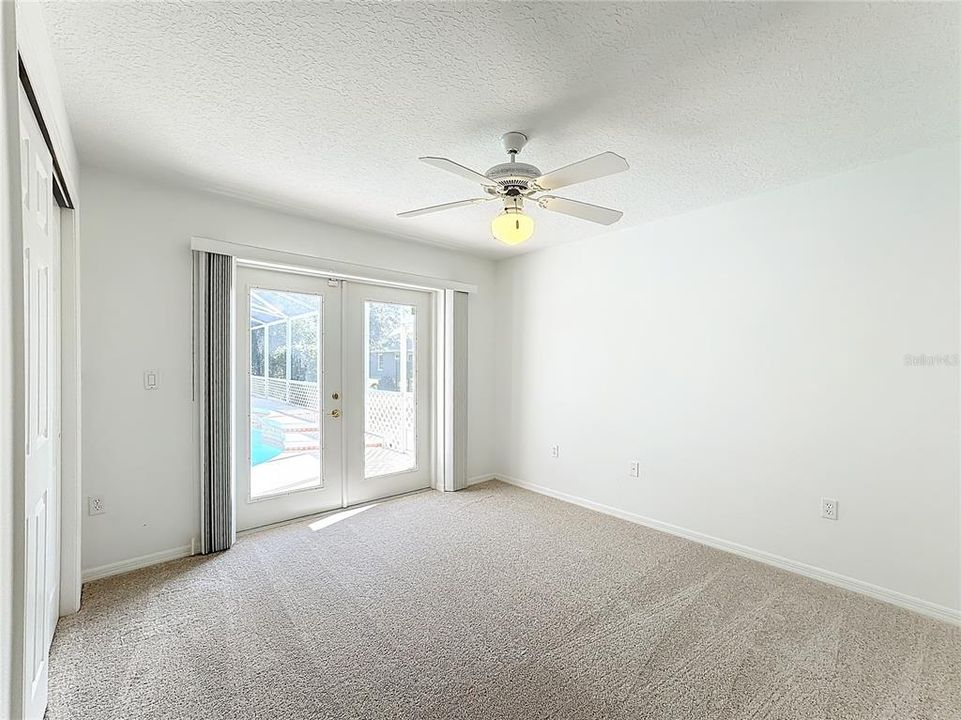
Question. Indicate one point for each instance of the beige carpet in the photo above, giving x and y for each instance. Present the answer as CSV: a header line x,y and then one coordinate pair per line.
x,y
487,604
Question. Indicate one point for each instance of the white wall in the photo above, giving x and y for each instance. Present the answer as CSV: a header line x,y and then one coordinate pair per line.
x,y
752,357
10,251
135,263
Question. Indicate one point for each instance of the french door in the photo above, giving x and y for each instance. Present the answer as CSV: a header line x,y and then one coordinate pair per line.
x,y
388,408
288,370
332,382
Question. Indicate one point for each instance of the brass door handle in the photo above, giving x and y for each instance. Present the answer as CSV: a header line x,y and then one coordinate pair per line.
x,y
335,413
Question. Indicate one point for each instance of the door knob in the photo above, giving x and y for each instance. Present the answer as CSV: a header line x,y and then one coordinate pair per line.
x,y
335,413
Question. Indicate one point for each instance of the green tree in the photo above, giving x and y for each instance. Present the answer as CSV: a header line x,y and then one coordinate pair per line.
x,y
303,349
384,324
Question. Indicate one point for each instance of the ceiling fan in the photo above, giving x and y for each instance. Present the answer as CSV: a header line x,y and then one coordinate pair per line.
x,y
514,182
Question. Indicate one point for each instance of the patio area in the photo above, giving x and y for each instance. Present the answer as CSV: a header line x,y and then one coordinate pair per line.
x,y
286,449
384,461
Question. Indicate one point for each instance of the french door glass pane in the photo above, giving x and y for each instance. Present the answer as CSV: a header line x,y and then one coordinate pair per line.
x,y
390,409
285,422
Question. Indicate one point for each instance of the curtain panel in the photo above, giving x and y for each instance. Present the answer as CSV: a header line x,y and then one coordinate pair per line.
x,y
213,294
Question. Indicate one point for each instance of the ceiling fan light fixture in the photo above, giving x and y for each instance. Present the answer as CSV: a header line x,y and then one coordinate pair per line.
x,y
512,227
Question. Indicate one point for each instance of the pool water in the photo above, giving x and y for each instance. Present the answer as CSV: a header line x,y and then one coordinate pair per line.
x,y
260,451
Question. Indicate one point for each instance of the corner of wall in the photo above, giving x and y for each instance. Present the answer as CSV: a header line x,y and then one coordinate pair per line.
x,y
9,228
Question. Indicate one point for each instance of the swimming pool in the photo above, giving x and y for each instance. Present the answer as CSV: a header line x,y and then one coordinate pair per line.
x,y
261,451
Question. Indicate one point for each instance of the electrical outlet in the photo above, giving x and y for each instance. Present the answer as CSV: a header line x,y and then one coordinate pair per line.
x,y
635,469
555,451
95,505
829,508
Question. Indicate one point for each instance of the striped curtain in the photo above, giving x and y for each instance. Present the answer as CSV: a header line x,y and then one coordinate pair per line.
x,y
459,369
455,391
213,281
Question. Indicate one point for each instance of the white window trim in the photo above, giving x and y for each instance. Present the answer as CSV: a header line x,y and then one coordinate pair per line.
x,y
327,267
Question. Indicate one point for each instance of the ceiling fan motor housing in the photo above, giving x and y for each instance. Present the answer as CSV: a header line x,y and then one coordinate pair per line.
x,y
514,176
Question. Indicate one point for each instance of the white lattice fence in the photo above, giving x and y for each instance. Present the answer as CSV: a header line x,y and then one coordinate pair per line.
x,y
292,392
277,389
303,394
391,416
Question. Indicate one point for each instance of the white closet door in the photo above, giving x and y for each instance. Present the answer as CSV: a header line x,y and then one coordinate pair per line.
x,y
41,281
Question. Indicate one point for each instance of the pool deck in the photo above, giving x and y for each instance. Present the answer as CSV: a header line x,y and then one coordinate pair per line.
x,y
298,467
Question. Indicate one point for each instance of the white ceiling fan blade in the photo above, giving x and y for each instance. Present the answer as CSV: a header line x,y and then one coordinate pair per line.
x,y
607,163
445,206
458,169
582,210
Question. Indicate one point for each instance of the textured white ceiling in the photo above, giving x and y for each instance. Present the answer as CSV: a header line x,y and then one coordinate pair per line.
x,y
324,108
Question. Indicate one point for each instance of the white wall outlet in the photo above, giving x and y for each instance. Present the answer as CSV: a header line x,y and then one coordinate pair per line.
x,y
95,505
555,451
635,469
829,508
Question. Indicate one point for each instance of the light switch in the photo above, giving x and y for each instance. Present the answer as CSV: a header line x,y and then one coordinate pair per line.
x,y
151,379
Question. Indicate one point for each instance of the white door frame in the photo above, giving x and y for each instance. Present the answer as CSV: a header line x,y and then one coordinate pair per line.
x,y
439,302
71,496
446,432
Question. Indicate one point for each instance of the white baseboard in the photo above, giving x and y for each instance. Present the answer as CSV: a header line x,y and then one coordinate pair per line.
x,y
930,609
479,479
125,566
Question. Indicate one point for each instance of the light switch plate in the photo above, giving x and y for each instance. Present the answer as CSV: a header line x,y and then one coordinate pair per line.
x,y
151,379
